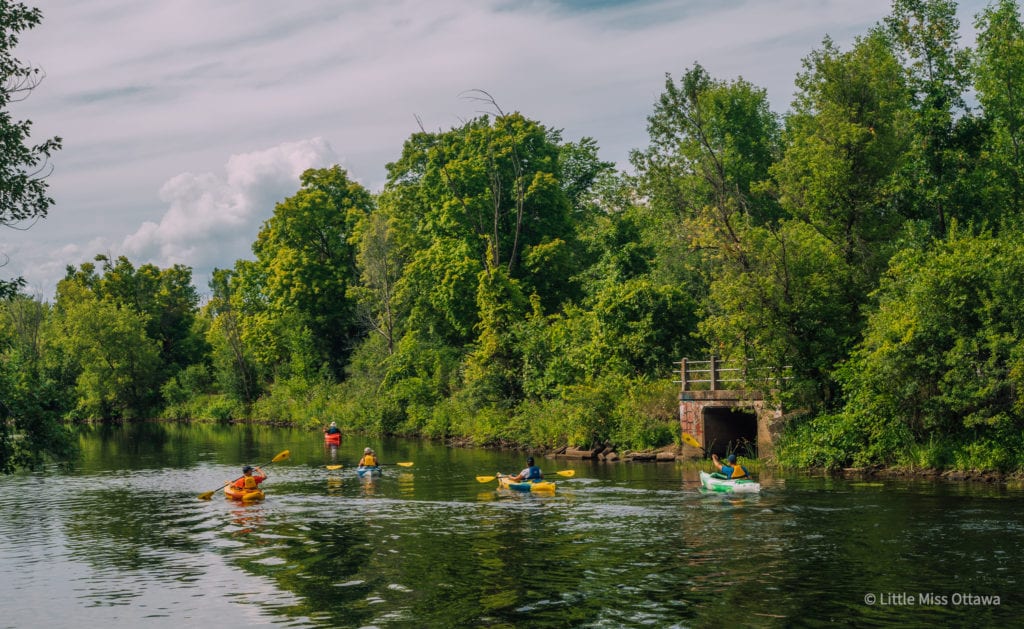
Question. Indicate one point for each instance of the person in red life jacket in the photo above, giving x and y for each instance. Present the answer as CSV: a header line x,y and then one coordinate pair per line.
x,y
730,470
250,481
332,429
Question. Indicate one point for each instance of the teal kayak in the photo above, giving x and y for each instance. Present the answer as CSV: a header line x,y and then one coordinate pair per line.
x,y
367,472
728,485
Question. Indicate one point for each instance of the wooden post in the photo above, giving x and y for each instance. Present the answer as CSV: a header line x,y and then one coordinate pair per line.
x,y
714,373
682,374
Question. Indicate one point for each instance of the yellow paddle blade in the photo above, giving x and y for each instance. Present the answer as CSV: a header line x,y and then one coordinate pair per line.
x,y
690,441
569,473
206,495
485,479
405,463
282,456
334,467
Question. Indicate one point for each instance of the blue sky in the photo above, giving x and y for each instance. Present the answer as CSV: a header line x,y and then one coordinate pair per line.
x,y
185,122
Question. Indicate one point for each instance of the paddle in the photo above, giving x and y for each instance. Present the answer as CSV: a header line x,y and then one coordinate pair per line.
x,y
690,441
567,473
206,495
403,464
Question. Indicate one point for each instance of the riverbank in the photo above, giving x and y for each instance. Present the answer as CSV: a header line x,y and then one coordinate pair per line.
x,y
881,472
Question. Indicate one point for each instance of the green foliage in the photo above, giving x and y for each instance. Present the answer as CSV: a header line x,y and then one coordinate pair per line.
x,y
116,365
493,370
31,404
506,287
306,254
940,353
999,66
23,165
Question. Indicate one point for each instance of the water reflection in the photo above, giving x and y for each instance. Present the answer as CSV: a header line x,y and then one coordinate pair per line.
x,y
616,545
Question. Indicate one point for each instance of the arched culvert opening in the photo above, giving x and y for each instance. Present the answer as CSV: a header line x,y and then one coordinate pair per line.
x,y
728,429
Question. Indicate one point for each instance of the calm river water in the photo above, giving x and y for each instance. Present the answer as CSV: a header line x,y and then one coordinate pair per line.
x,y
121,540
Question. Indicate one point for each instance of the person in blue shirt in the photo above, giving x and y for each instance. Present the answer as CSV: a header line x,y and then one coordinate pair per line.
x,y
730,470
531,473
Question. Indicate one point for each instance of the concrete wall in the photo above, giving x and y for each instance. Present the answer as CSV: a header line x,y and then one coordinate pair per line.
x,y
693,418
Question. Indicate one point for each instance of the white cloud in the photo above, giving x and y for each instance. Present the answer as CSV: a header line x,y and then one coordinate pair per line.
x,y
212,220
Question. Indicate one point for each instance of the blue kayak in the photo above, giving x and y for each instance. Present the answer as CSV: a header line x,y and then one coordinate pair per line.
x,y
367,472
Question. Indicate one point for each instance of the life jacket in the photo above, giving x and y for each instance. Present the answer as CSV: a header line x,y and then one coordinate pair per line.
x,y
533,473
738,471
368,461
248,482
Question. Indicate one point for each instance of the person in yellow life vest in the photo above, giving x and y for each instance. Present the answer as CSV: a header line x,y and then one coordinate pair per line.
x,y
249,481
369,458
730,470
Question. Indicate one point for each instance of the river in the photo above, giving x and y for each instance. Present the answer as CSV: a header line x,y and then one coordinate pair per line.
x,y
122,540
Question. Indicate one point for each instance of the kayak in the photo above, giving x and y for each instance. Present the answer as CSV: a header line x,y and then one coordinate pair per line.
x,y
541,485
368,472
245,496
332,439
730,486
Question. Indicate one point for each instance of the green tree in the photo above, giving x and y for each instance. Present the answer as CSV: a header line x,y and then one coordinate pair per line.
x,y
712,142
494,368
797,298
381,260
942,356
166,297
235,367
30,428
23,165
846,137
488,192
308,256
925,37
31,403
998,71
116,365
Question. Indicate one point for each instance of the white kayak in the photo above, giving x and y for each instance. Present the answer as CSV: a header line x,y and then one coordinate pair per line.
x,y
727,485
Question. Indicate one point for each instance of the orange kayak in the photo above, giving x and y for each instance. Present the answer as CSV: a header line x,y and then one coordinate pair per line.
x,y
235,493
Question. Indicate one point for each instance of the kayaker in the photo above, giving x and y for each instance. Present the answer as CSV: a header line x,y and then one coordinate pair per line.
x,y
248,480
369,458
332,429
730,470
531,473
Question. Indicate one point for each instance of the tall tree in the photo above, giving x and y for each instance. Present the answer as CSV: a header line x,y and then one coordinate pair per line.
x,y
166,297
116,365
23,165
30,428
712,141
307,252
381,261
925,35
488,192
999,80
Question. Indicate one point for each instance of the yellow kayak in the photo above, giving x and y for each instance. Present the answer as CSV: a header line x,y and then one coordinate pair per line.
x,y
504,482
245,496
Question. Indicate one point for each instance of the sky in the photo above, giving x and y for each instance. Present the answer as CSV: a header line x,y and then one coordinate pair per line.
x,y
185,122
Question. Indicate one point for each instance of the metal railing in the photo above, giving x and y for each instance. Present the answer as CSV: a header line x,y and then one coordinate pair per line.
x,y
716,374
